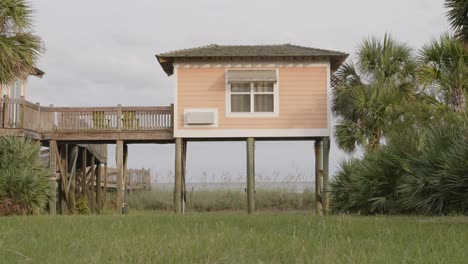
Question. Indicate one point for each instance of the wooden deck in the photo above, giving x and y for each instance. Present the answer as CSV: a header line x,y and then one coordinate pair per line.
x,y
86,124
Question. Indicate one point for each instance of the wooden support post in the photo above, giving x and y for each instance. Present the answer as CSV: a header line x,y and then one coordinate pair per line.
x,y
71,181
93,177
105,184
119,161
64,174
84,165
326,174
318,178
250,175
178,176
53,178
98,188
184,169
125,179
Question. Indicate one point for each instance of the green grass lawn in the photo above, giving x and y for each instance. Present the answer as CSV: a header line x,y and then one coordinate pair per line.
x,y
146,237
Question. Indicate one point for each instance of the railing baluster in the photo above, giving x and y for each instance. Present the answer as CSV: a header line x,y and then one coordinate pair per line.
x,y
16,113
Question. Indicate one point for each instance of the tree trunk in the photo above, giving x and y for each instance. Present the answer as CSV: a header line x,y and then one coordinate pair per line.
x,y
458,100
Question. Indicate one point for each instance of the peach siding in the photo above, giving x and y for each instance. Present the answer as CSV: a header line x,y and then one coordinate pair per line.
x,y
302,98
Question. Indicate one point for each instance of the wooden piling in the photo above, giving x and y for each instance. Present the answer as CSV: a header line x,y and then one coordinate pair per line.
x,y
250,175
53,178
98,188
125,178
178,176
318,177
119,162
84,165
184,169
326,174
105,184
64,176
92,204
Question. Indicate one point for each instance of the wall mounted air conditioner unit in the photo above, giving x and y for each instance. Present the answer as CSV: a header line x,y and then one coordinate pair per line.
x,y
201,117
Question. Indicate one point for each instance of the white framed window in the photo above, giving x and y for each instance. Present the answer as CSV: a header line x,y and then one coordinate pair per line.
x,y
252,98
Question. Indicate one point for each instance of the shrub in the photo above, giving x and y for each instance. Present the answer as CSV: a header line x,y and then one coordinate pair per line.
x,y
24,180
422,171
438,180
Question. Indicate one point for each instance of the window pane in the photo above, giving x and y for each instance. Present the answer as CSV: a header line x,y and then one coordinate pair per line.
x,y
240,87
263,87
263,103
240,103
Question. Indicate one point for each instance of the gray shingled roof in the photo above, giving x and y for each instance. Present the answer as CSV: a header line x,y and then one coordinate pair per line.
x,y
247,51
237,51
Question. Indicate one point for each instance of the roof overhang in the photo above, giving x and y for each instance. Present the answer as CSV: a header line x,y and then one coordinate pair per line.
x,y
167,62
38,72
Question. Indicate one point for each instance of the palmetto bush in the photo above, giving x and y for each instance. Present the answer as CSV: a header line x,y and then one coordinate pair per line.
x,y
421,169
438,180
370,185
24,180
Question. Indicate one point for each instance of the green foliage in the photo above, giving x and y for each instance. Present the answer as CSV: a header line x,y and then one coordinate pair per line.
x,y
458,18
81,207
372,92
444,71
23,179
422,168
19,47
438,180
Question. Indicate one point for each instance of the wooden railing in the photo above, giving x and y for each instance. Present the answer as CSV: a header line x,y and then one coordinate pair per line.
x,y
19,113
137,178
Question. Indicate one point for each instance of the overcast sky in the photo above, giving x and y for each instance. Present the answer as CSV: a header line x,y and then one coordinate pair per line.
x,y
101,52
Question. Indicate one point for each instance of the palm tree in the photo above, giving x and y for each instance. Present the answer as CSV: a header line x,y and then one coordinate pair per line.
x,y
19,47
371,91
458,18
444,70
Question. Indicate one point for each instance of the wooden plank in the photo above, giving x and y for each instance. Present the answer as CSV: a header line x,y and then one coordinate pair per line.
x,y
318,179
250,175
62,169
71,181
178,176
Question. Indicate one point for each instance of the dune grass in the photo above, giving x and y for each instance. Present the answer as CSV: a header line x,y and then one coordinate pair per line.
x,y
222,200
149,237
